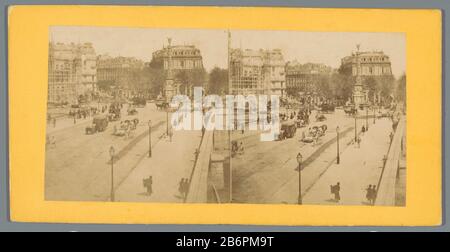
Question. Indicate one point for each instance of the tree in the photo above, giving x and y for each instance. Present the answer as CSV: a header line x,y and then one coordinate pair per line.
x,y
105,85
342,86
218,81
190,78
386,84
154,80
401,88
372,85
323,86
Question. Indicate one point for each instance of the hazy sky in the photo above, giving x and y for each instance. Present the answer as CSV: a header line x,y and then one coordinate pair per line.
x,y
315,47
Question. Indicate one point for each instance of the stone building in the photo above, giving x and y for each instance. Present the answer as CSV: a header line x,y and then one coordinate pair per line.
x,y
374,63
363,66
72,72
182,64
256,72
118,71
123,74
304,77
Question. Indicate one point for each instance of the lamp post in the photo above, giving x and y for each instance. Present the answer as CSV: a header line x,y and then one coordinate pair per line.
x,y
111,153
337,157
299,161
149,138
373,108
167,122
356,137
367,118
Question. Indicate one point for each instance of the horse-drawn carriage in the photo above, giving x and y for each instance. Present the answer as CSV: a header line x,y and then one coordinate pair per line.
x,y
139,102
327,108
132,111
320,117
126,127
161,104
301,123
314,133
287,130
350,110
99,124
114,117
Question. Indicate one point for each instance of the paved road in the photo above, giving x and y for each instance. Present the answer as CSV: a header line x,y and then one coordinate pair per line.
x,y
358,168
266,172
77,166
170,161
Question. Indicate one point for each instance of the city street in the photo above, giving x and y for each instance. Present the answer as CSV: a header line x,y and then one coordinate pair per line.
x,y
78,165
262,178
170,162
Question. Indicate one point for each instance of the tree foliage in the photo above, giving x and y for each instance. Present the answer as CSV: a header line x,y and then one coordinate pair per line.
x,y
218,81
401,88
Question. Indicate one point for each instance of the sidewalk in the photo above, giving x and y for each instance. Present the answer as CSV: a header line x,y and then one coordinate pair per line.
x,y
170,162
358,168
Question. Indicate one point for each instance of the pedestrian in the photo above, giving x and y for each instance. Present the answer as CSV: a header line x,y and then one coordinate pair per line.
x,y
170,134
185,187
148,182
335,189
374,194
369,193
359,142
181,187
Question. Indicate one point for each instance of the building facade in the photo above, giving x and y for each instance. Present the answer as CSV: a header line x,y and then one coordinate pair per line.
x,y
181,63
122,74
257,72
365,65
374,63
72,72
304,77
119,71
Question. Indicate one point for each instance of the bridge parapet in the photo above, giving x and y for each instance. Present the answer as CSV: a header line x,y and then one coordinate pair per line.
x,y
198,186
386,185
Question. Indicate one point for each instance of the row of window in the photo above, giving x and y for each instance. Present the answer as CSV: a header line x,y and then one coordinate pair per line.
x,y
374,59
188,52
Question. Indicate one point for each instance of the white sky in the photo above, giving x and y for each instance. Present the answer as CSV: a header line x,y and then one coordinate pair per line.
x,y
315,47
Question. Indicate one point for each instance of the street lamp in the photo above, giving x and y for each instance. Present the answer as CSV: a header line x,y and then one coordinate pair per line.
x,y
299,161
149,138
373,108
356,137
337,157
367,118
167,121
111,153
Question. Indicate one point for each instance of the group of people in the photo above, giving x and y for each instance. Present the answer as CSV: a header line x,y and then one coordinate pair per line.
x,y
183,187
371,193
83,113
237,148
302,114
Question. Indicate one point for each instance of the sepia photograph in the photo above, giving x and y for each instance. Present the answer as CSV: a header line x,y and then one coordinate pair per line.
x,y
226,116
